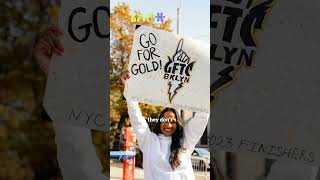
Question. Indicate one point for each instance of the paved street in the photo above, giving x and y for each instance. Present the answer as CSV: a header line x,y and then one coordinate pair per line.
x,y
116,172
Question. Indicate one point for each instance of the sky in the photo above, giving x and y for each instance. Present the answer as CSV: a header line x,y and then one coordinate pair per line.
x,y
195,15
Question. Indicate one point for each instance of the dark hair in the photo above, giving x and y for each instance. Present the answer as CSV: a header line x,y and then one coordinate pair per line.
x,y
177,138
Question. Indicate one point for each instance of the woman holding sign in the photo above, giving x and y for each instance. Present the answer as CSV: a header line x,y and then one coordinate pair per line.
x,y
75,152
167,150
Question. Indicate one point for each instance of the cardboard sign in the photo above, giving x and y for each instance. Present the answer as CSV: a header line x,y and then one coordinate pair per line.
x,y
265,78
77,86
169,70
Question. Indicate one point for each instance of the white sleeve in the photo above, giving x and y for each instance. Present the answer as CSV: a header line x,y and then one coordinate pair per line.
x,y
194,130
138,123
77,156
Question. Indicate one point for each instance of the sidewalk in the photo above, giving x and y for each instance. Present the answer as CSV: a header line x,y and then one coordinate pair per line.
x,y
116,172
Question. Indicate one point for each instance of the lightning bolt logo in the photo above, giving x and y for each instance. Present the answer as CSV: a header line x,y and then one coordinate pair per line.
x,y
256,12
177,71
174,86
225,78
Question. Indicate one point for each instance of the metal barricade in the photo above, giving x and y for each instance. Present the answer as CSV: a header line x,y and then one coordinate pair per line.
x,y
200,166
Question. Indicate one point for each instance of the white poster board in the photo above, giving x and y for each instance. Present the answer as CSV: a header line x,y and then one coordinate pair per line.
x,y
169,70
270,105
77,85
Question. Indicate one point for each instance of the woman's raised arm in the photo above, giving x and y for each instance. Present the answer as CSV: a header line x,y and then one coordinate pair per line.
x,y
194,130
138,122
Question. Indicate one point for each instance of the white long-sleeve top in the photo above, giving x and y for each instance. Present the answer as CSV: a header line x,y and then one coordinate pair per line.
x,y
156,148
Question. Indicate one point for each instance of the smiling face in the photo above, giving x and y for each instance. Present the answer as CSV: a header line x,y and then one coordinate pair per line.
x,y
169,127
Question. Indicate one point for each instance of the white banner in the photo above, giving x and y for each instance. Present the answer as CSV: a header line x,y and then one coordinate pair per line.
x,y
169,70
77,86
265,78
